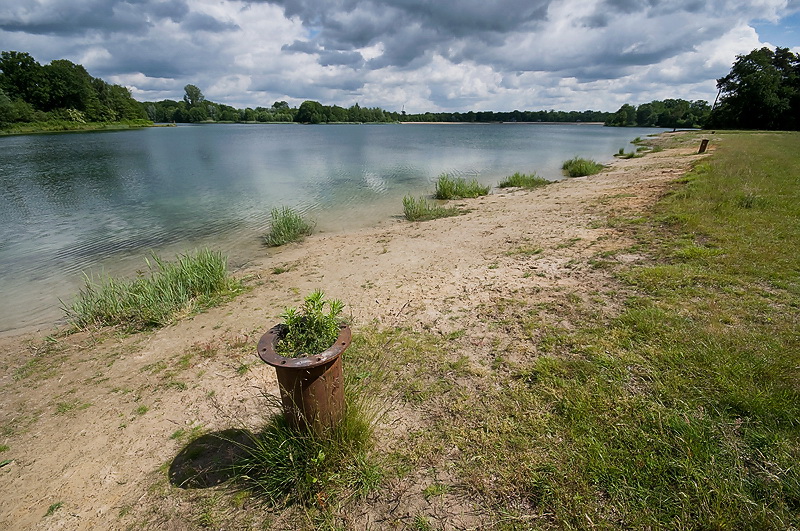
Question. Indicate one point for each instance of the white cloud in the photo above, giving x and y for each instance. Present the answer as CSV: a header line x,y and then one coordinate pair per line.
x,y
510,54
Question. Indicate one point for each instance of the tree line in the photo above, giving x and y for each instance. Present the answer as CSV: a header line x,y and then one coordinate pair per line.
x,y
672,113
511,116
60,90
762,91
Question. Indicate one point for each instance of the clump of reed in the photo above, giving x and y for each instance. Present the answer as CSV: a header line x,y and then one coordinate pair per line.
x,y
580,167
448,187
423,210
154,298
521,180
286,226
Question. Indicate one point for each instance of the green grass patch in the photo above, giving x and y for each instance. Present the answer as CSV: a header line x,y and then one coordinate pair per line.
x,y
681,412
449,187
579,167
53,508
522,180
287,226
58,126
422,209
157,297
621,154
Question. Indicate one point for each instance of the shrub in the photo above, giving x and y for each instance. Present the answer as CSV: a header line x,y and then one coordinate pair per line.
x,y
423,210
522,180
287,226
448,187
310,330
189,283
578,167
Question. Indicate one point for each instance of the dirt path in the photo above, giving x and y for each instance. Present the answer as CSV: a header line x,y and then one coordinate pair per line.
x,y
92,421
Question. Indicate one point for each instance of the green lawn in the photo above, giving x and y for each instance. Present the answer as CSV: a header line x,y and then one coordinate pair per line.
x,y
681,412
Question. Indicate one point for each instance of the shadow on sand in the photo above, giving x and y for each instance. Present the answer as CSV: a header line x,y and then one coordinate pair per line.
x,y
209,460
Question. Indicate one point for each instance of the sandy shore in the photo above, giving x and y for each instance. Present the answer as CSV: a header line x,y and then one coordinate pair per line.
x,y
87,419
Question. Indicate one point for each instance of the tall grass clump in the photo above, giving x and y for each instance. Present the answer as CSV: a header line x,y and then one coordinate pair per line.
x,y
287,466
448,187
579,167
521,180
423,210
286,226
191,282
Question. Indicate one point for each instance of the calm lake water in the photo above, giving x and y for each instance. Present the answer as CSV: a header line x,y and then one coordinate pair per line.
x,y
100,202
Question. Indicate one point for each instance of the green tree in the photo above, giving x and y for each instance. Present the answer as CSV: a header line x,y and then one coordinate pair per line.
x,y
193,96
310,112
762,91
197,114
69,86
23,78
624,117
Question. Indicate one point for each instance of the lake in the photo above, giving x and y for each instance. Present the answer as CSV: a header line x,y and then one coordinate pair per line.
x,y
92,203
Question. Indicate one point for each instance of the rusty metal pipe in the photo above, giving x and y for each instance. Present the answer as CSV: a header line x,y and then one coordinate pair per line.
x,y
312,387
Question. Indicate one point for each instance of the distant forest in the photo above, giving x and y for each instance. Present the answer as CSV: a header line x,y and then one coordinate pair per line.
x,y
194,108
59,91
762,91
668,113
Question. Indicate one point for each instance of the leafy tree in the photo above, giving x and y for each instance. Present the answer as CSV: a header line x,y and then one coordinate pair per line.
x,y
668,113
624,117
193,96
197,114
69,86
762,91
22,78
310,112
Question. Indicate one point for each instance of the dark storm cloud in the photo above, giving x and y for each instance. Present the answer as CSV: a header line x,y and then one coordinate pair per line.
x,y
412,29
322,89
353,59
65,17
302,47
203,22
75,18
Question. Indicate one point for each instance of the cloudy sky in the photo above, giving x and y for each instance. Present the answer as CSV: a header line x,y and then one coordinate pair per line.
x,y
421,55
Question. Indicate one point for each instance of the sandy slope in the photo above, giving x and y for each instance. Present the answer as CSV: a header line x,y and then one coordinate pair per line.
x,y
88,418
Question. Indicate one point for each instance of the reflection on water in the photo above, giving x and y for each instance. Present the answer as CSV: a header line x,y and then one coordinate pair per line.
x,y
91,202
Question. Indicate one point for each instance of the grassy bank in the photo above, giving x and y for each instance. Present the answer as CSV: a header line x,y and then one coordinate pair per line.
x,y
60,126
680,412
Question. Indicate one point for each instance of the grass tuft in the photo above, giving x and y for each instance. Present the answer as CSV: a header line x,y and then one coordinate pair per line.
x,y
521,180
448,187
287,225
578,167
190,283
287,466
423,210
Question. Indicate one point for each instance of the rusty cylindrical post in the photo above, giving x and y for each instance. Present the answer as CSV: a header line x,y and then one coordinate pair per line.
x,y
312,388
703,146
